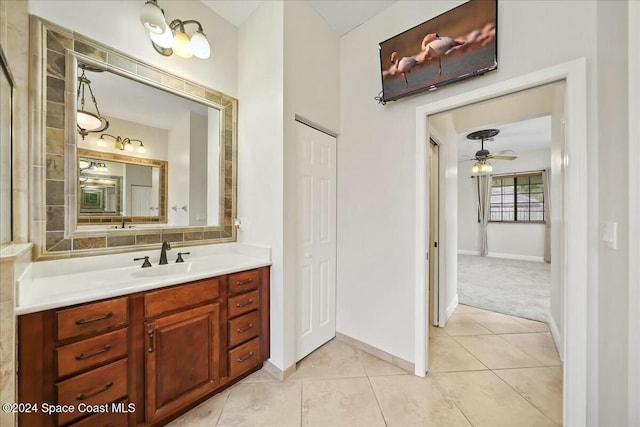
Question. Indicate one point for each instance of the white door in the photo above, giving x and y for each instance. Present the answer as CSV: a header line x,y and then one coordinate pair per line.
x,y
315,238
141,204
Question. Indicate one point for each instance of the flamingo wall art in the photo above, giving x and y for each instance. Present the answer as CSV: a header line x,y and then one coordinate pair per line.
x,y
460,43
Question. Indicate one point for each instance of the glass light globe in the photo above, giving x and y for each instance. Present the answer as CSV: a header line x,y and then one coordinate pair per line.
x,y
128,146
88,121
101,142
182,46
200,45
152,18
163,40
141,149
475,168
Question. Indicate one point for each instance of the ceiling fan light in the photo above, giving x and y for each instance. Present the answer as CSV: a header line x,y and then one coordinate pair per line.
x,y
152,18
200,45
475,168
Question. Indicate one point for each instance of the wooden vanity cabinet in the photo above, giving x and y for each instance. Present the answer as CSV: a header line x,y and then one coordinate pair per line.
x,y
156,353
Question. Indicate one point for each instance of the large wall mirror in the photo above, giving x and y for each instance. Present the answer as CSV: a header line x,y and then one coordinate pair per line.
x,y
6,151
160,163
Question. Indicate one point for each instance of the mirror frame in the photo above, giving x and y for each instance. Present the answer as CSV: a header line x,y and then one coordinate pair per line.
x,y
54,52
131,220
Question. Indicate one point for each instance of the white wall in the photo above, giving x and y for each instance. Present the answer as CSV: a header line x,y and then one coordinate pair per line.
x,y
504,239
260,149
117,24
311,89
198,162
376,170
179,178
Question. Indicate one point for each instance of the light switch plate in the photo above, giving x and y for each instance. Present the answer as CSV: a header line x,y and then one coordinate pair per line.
x,y
610,234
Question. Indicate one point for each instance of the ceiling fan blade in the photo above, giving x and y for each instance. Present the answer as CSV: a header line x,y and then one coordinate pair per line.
x,y
504,155
466,160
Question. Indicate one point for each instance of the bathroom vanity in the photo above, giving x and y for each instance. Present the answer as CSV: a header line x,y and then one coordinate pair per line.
x,y
147,354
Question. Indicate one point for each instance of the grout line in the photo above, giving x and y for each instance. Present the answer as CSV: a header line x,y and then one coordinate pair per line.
x,y
224,406
446,395
301,402
377,401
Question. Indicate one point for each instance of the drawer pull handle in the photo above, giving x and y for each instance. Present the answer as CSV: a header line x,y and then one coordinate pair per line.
x,y
243,282
238,304
151,341
83,396
241,330
240,359
82,356
107,315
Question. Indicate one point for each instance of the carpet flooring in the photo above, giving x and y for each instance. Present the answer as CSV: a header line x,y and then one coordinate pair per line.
x,y
518,288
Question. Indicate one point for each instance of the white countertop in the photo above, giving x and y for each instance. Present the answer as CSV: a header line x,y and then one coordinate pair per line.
x,y
53,284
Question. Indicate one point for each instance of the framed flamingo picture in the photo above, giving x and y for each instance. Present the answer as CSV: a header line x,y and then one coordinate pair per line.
x,y
460,43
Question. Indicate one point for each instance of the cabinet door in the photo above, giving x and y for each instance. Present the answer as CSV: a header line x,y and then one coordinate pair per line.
x,y
182,359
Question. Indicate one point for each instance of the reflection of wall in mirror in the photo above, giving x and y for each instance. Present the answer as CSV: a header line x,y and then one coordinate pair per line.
x,y
5,158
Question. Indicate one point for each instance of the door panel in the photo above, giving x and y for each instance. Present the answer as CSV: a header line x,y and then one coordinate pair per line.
x,y
316,238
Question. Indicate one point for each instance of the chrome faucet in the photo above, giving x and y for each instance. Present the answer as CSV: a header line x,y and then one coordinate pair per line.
x,y
163,252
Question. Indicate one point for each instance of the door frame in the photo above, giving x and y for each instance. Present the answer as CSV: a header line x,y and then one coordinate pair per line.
x,y
574,239
438,297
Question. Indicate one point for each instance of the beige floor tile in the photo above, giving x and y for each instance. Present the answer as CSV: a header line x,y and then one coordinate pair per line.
x,y
467,309
463,324
333,360
340,402
204,415
499,323
533,324
375,367
497,353
436,331
446,355
540,346
261,376
266,404
413,401
487,401
540,386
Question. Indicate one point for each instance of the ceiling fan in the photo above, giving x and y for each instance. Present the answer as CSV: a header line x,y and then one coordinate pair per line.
x,y
482,155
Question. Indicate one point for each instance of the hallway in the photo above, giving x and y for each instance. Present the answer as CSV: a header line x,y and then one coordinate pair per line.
x,y
486,369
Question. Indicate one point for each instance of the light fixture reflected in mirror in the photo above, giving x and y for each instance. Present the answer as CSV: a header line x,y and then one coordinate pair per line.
x,y
124,144
481,166
84,165
168,39
85,120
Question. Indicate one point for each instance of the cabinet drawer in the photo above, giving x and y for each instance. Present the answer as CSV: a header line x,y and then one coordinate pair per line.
x,y
91,352
172,299
243,303
89,318
97,387
243,281
244,357
244,328
107,419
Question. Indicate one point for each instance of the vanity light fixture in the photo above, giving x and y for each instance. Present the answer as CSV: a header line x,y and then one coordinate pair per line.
x,y
86,121
121,143
171,38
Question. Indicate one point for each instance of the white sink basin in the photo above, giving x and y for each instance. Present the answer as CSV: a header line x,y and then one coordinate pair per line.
x,y
164,270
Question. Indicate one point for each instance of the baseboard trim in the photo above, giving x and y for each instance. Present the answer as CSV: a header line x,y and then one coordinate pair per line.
x,y
504,256
555,334
277,372
380,354
450,309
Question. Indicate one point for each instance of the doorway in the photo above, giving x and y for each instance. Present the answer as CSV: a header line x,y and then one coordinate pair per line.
x,y
571,230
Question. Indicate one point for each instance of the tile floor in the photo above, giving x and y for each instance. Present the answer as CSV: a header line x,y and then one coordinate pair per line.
x,y
486,369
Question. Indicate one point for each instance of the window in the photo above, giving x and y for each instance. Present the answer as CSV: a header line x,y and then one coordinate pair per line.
x,y
517,198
